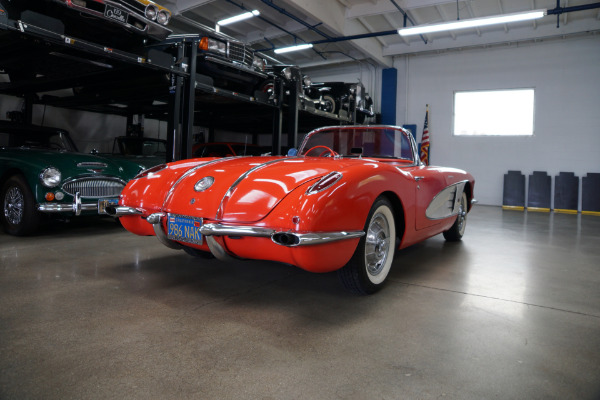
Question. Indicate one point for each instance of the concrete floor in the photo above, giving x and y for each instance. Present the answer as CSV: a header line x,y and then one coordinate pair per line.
x,y
512,312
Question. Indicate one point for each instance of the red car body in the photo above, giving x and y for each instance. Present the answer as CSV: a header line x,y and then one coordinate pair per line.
x,y
349,198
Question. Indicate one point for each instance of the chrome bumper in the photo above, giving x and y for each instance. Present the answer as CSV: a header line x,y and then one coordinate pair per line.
x,y
76,207
283,238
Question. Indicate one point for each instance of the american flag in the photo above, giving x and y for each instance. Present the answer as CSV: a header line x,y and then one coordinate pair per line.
x,y
425,139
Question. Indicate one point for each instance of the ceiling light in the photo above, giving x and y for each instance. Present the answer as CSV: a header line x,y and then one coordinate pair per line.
x,y
238,18
472,23
294,48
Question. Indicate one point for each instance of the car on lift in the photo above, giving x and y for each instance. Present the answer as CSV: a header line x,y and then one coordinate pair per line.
x,y
43,175
225,62
141,150
348,199
110,22
335,96
329,97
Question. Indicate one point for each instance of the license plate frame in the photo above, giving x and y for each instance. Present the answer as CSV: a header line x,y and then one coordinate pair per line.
x,y
102,204
116,14
183,228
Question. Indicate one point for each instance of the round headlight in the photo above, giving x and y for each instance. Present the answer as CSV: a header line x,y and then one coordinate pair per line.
x,y
50,177
163,17
204,183
151,12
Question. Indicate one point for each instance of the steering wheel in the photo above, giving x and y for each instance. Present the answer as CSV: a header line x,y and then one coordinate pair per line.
x,y
328,150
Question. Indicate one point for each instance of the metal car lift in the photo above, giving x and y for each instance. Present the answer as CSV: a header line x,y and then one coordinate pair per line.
x,y
109,80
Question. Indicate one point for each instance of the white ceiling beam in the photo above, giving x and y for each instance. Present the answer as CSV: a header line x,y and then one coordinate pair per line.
x,y
370,28
445,18
380,7
180,6
274,33
331,14
470,8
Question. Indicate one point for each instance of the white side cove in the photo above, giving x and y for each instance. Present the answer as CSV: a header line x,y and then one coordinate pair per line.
x,y
447,202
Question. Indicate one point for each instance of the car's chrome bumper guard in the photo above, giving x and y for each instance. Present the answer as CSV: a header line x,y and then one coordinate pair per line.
x,y
283,238
76,207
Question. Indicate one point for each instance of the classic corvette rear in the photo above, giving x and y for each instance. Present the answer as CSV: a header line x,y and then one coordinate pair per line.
x,y
349,198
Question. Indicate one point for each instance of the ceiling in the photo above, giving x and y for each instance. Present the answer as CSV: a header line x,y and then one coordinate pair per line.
x,y
287,22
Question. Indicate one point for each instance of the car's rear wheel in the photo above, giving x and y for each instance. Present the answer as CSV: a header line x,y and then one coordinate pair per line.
x,y
457,230
329,104
19,215
370,265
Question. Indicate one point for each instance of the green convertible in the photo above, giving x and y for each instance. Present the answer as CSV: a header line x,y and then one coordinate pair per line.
x,y
43,174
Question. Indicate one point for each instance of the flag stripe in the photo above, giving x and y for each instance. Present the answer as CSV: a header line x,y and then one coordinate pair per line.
x,y
425,139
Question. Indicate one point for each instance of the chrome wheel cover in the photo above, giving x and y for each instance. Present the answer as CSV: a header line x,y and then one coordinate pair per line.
x,y
377,244
462,215
14,205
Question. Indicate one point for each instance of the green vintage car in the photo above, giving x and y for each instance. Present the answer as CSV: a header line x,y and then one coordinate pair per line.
x,y
43,175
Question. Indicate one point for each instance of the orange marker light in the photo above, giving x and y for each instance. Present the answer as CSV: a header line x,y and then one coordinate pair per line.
x,y
49,196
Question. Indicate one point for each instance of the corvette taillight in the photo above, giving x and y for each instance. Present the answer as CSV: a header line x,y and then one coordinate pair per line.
x,y
325,182
149,171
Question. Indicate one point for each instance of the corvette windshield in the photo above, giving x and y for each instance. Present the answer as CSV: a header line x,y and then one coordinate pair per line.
x,y
376,142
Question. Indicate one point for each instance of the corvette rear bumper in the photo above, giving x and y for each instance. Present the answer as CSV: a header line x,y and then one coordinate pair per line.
x,y
280,237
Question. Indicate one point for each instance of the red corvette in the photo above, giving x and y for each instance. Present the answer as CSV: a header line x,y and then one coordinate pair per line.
x,y
350,197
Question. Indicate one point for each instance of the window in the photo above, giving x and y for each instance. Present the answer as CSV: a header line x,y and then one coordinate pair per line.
x,y
494,113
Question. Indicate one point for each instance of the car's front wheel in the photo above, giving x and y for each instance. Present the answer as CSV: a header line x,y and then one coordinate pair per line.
x,y
457,230
19,215
370,265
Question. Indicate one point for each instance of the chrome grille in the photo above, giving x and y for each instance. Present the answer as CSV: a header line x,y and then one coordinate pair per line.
x,y
240,53
94,187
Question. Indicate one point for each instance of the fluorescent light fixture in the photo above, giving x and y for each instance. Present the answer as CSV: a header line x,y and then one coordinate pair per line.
x,y
238,18
472,23
294,48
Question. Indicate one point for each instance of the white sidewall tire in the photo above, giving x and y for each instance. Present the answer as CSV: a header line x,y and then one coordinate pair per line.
x,y
382,274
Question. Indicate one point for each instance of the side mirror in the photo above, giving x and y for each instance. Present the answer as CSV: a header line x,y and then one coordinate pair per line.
x,y
292,152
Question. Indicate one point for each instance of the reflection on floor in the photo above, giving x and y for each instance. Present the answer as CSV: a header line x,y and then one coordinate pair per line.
x,y
511,312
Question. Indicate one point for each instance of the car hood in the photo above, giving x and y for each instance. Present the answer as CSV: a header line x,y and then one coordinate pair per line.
x,y
246,189
71,164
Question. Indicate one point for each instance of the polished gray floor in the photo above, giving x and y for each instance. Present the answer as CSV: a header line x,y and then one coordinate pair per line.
x,y
89,311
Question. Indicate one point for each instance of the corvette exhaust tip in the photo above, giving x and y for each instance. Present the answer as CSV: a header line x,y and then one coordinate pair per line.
x,y
120,211
286,239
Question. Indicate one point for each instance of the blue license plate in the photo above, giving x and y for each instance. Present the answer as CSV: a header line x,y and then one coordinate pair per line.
x,y
184,229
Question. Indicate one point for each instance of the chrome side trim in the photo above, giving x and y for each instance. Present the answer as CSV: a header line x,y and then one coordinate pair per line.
x,y
446,203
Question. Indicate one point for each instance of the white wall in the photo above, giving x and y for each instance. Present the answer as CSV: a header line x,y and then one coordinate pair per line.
x,y
566,76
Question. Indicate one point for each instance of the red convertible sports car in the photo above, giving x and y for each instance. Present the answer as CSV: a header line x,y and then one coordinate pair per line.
x,y
346,201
